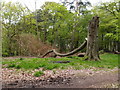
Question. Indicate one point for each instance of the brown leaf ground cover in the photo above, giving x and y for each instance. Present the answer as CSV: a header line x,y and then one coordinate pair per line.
x,y
77,74
85,78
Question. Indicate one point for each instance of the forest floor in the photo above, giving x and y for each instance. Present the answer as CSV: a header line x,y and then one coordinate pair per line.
x,y
95,76
87,78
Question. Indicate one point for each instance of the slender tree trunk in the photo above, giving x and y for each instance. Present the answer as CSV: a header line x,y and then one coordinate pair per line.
x,y
118,45
92,43
72,45
45,36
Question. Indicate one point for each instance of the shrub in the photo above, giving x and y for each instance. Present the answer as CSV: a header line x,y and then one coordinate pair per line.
x,y
30,45
21,59
5,54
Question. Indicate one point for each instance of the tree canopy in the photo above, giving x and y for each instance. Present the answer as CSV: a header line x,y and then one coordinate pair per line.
x,y
58,26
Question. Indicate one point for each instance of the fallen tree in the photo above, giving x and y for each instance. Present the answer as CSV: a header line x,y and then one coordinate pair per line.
x,y
67,54
91,42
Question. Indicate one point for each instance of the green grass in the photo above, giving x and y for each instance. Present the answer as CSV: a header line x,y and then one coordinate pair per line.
x,y
38,73
107,61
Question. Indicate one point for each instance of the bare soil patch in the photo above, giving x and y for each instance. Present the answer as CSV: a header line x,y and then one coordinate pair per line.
x,y
15,57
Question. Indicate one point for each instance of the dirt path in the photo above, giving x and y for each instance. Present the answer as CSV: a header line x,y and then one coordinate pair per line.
x,y
62,79
95,81
15,57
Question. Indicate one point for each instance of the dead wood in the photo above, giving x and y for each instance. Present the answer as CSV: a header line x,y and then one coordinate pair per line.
x,y
69,53
92,43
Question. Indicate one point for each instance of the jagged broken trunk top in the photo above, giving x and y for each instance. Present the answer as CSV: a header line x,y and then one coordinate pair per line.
x,y
92,42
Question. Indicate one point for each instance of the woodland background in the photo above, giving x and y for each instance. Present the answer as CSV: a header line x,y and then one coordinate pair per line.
x,y
63,26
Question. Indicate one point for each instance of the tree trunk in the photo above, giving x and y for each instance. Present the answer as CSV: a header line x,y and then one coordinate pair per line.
x,y
118,46
92,43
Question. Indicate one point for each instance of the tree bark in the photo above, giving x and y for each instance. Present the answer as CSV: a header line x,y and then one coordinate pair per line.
x,y
92,43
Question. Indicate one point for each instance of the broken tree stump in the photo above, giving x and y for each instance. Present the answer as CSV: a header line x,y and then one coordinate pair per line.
x,y
92,42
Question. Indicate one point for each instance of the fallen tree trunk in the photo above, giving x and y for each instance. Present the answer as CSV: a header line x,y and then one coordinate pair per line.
x,y
50,51
69,53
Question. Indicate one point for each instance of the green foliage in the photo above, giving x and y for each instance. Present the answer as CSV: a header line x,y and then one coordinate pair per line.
x,y
38,73
5,54
21,58
11,66
109,24
11,15
17,66
56,25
